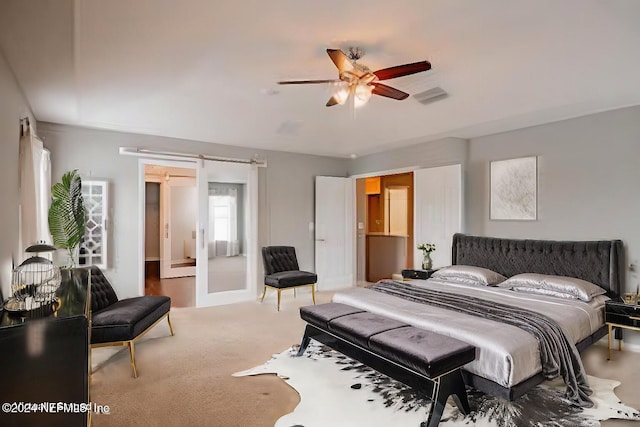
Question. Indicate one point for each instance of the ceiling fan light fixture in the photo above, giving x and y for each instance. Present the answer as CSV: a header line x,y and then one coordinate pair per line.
x,y
342,95
359,82
362,94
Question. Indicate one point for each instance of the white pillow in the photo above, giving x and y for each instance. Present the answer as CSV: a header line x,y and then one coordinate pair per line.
x,y
469,274
560,286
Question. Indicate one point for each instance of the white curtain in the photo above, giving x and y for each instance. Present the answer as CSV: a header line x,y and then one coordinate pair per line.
x,y
35,191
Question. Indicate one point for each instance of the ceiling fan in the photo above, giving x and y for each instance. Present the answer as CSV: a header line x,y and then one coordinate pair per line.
x,y
359,82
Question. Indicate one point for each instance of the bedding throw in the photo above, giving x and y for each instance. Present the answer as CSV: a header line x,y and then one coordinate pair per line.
x,y
558,354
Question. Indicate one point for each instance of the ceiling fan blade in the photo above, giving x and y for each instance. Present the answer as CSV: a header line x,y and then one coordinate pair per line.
x,y
340,59
388,91
306,82
332,101
402,70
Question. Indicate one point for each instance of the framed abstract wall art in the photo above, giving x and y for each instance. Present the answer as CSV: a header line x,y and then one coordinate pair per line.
x,y
514,185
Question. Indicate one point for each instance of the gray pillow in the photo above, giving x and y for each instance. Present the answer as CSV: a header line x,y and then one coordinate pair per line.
x,y
559,286
469,274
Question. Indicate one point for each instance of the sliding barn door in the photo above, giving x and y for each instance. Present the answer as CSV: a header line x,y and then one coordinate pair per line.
x,y
438,211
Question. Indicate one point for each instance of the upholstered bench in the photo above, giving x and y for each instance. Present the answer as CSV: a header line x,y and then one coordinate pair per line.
x,y
427,361
121,322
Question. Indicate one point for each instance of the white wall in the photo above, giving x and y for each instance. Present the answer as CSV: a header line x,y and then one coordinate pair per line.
x,y
13,107
285,197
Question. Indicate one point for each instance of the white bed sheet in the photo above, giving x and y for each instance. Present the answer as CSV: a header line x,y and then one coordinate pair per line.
x,y
506,354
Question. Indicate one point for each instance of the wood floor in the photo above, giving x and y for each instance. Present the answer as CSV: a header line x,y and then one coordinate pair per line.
x,y
181,290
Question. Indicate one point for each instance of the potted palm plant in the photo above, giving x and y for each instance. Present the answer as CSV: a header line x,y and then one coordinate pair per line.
x,y
67,225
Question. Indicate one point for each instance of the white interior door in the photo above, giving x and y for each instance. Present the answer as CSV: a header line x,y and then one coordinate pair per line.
x,y
227,233
438,211
178,218
334,216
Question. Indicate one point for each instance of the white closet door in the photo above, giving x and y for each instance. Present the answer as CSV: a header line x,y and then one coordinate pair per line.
x,y
438,211
334,256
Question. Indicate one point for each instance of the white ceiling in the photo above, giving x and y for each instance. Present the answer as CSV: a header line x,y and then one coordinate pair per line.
x,y
206,70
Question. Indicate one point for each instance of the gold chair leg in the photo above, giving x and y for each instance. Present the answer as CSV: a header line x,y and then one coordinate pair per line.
x,y
264,292
133,359
610,333
313,292
279,291
294,292
170,325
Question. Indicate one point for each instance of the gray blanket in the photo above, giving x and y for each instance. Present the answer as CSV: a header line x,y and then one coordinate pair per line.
x,y
558,354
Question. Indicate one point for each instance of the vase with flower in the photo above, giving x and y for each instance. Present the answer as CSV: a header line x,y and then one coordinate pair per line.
x,y
426,249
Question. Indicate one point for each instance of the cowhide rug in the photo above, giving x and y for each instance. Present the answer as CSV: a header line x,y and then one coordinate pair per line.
x,y
338,391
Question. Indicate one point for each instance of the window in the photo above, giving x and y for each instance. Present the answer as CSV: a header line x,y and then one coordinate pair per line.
x,y
222,217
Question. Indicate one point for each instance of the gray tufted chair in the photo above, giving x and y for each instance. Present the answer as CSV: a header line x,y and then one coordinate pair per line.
x,y
281,271
122,322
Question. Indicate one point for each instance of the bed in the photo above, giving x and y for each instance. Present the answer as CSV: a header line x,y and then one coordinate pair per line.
x,y
508,359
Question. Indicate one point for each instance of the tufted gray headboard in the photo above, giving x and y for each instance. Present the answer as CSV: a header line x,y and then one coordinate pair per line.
x,y
599,262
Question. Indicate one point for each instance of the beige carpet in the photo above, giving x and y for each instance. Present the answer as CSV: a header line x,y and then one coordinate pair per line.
x,y
186,379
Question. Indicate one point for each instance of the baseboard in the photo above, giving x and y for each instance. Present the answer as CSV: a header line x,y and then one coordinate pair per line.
x,y
336,283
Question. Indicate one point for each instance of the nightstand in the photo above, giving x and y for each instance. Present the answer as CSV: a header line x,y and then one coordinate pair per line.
x,y
620,315
417,274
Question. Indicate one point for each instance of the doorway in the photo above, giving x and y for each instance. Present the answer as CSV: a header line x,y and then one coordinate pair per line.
x,y
171,209
385,225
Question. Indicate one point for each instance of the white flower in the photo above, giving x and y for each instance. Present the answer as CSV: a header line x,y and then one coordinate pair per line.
x,y
427,247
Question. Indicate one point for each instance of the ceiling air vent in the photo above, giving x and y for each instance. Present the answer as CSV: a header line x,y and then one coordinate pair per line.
x,y
431,95
289,127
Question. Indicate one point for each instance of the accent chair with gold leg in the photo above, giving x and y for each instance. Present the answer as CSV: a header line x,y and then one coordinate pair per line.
x,y
121,322
281,271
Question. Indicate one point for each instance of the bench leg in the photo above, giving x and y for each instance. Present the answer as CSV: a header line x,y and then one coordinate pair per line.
x,y
133,359
447,385
306,339
170,325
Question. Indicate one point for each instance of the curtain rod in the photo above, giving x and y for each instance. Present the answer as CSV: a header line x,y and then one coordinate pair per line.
x,y
144,152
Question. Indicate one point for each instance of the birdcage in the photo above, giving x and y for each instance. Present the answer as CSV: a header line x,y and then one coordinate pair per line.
x,y
35,282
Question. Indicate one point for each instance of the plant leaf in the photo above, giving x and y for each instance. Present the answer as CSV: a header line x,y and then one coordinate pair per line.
x,y
67,215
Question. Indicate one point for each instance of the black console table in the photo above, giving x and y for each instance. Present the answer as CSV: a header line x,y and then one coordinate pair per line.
x,y
619,315
44,362
417,274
